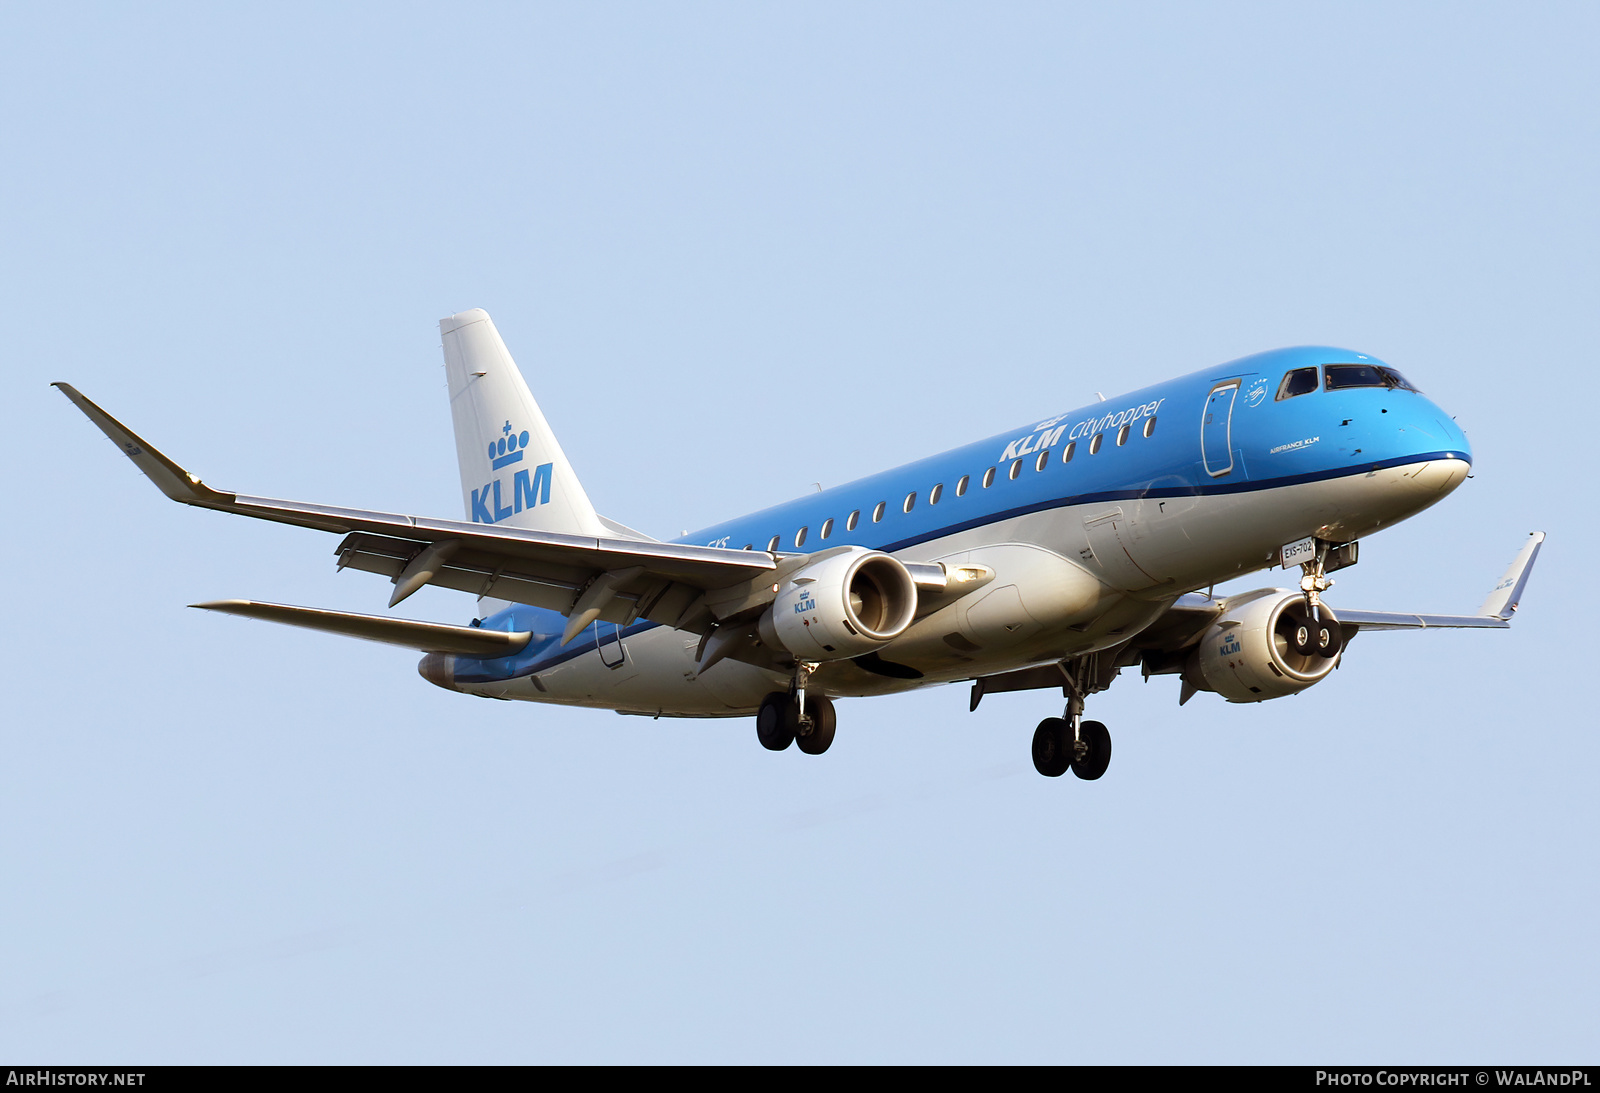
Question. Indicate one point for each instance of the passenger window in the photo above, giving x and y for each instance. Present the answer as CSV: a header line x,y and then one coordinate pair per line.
x,y
1122,435
772,547
1094,444
877,513
1043,461
827,527
1301,381
936,493
1016,469
988,478
852,520
961,486
1066,453
1149,427
911,502
800,537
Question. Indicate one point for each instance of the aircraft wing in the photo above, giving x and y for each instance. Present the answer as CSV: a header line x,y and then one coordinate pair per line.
x,y
1163,644
1494,614
583,577
1193,612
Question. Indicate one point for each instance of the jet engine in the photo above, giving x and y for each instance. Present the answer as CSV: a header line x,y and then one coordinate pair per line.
x,y
841,606
1265,645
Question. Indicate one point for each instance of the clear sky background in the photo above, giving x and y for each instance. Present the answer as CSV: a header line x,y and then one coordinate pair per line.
x,y
738,249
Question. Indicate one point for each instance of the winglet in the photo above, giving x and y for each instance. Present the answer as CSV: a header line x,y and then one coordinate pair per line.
x,y
1507,592
169,478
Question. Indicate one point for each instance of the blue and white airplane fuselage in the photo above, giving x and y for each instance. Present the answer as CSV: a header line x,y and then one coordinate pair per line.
x,y
1092,543
1052,555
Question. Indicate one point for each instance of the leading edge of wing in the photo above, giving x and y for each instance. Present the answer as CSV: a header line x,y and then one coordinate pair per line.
x,y
1405,620
706,566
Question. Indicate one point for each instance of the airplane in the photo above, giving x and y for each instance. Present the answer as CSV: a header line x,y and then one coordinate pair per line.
x,y
1049,557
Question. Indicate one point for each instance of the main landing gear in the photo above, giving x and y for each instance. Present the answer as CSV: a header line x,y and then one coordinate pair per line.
x,y
796,717
1071,743
1056,749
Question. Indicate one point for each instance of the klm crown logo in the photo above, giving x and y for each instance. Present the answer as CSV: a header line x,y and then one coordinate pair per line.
x,y
527,489
509,448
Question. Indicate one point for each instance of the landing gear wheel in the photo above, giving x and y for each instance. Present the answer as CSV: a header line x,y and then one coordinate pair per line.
x,y
775,721
1098,757
1302,635
1052,747
823,720
1327,638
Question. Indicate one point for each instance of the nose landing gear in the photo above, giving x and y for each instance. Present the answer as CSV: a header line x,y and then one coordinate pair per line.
x,y
1310,632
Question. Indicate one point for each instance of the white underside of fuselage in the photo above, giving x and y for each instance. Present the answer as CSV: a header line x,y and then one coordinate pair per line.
x,y
1069,581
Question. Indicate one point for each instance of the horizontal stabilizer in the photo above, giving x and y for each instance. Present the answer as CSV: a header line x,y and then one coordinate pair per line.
x,y
427,637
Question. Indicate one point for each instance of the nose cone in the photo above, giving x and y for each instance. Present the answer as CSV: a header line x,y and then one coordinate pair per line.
x,y
1431,419
1388,495
1443,456
1461,442
1437,477
438,669
1413,427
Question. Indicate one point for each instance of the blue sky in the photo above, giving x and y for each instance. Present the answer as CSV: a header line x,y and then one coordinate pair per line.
x,y
738,249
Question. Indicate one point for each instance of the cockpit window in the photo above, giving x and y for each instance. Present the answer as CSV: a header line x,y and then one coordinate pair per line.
x,y
1337,377
1397,380
1301,381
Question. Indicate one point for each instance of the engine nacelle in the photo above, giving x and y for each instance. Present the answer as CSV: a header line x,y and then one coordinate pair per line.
x,y
1250,655
842,606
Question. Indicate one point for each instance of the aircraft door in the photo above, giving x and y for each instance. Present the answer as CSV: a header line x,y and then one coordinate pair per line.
x,y
1216,429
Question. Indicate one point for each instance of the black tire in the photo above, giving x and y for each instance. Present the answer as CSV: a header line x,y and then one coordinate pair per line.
x,y
823,722
1329,639
775,721
1302,634
1094,764
1052,747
